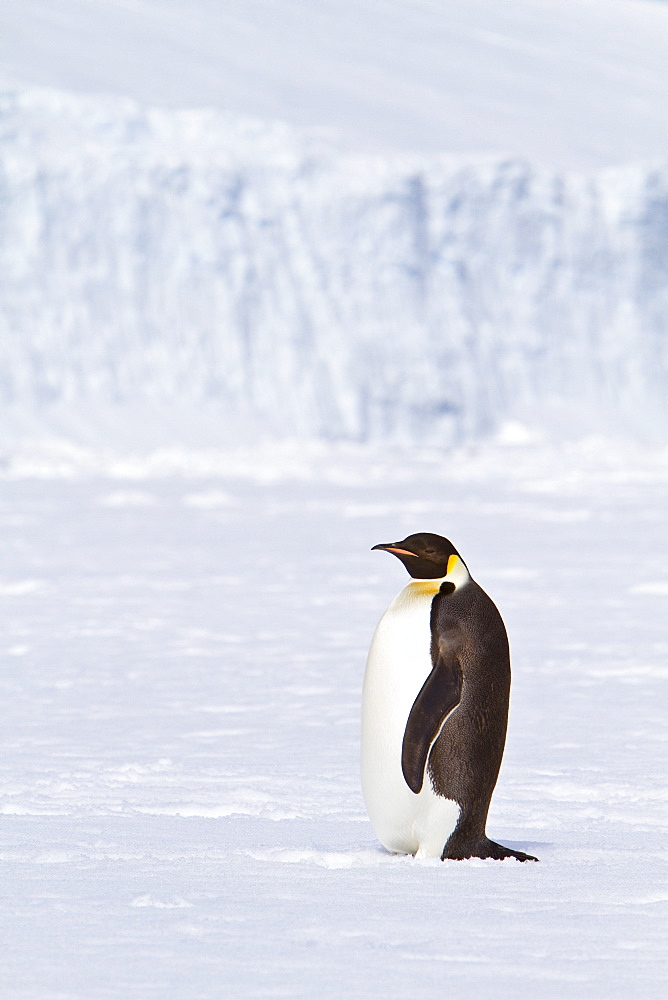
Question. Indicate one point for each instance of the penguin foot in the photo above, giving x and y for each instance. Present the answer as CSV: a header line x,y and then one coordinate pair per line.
x,y
483,849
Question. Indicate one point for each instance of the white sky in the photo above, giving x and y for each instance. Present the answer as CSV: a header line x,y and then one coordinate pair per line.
x,y
572,83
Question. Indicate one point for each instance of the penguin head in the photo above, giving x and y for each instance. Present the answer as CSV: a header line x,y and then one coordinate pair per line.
x,y
426,556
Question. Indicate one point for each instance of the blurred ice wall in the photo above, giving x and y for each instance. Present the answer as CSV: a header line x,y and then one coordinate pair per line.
x,y
158,257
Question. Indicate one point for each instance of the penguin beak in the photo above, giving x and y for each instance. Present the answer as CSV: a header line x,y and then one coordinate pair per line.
x,y
393,547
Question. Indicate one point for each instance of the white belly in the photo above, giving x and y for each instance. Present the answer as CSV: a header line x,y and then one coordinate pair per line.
x,y
399,663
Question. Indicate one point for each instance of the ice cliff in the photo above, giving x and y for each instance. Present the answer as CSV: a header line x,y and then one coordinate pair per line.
x,y
155,258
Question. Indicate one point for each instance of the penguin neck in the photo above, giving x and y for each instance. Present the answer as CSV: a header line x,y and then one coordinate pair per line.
x,y
458,575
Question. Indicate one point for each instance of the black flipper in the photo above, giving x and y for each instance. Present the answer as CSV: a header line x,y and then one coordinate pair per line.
x,y
440,693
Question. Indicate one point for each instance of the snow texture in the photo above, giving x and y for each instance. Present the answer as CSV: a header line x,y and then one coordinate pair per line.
x,y
273,284
181,662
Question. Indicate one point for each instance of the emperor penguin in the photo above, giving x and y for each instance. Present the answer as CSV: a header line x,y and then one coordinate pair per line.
x,y
435,709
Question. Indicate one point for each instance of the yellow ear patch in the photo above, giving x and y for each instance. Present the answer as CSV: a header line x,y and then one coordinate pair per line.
x,y
452,563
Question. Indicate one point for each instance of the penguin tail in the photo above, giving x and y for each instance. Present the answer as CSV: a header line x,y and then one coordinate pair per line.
x,y
484,848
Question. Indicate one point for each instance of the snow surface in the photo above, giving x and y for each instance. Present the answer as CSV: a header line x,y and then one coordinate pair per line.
x,y
182,656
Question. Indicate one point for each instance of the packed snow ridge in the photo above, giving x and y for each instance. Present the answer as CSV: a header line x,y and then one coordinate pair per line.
x,y
262,275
